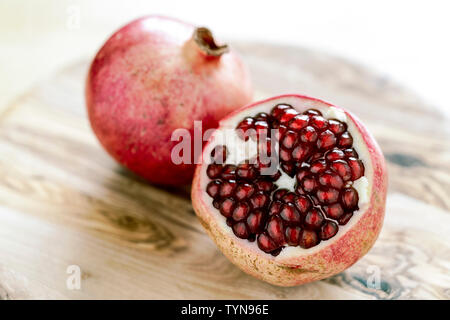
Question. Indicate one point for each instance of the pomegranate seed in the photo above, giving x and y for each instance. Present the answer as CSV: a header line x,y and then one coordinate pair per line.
x,y
318,166
241,211
246,171
313,219
333,211
229,172
350,153
212,189
265,243
309,184
278,195
336,126
288,168
255,221
259,200
287,115
244,191
308,239
349,198
293,235
275,207
303,204
285,155
226,207
230,222
335,154
280,132
319,122
245,128
240,230
298,122
213,170
357,168
279,109
345,218
275,230
262,116
227,188
308,135
342,169
264,185
326,140
301,173
216,204
331,179
289,140
276,176
219,154
345,140
290,214
328,230
312,112
265,148
316,156
289,197
327,195
301,152
262,128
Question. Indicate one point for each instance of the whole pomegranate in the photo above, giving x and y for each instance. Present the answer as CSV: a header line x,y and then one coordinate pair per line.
x,y
292,189
155,75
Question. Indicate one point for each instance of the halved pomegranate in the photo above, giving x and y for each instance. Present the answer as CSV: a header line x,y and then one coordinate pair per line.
x,y
306,210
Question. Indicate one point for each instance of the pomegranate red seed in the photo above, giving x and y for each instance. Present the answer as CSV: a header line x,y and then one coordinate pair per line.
x,y
313,219
289,140
262,116
293,235
230,222
342,169
312,112
244,191
261,128
303,204
287,115
289,197
350,198
227,188
240,230
241,211
308,135
327,195
213,170
246,171
219,154
279,194
275,230
244,128
336,126
259,200
350,153
328,230
265,148
265,243
345,218
301,152
318,166
276,176
279,109
229,172
326,140
285,155
334,154
288,168
345,140
264,185
333,211
212,189
298,122
255,221
216,204
331,179
275,207
308,239
290,214
357,168
301,173
309,184
226,207
280,132
319,122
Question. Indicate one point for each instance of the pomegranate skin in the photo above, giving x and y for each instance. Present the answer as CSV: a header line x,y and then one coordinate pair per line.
x,y
312,264
150,78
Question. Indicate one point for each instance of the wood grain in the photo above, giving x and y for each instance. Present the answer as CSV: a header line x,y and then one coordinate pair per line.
x,y
64,202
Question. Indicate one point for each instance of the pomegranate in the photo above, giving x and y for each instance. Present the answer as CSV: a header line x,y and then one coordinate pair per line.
x,y
305,211
153,76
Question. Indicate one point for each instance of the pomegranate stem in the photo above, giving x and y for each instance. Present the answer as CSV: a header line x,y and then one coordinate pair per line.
x,y
205,41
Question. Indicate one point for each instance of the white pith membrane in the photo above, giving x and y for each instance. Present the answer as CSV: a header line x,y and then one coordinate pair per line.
x,y
239,150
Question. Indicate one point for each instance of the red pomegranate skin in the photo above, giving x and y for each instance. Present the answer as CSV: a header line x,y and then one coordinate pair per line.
x,y
316,264
151,78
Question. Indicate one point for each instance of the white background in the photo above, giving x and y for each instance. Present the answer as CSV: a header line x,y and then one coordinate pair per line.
x,y
406,40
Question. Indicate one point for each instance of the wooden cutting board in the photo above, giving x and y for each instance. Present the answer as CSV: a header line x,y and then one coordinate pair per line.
x,y
64,204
